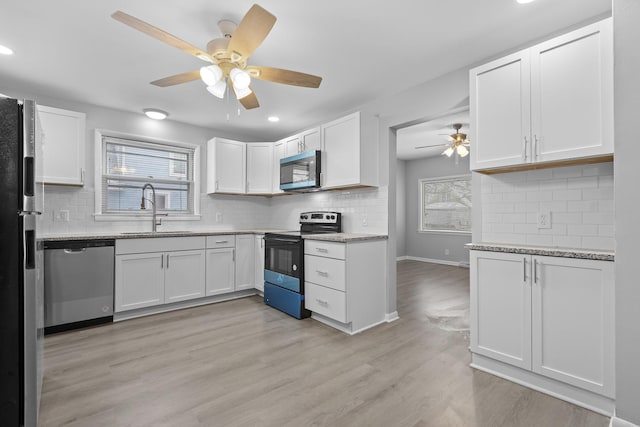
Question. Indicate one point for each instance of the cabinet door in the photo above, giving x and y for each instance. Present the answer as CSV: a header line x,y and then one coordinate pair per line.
x,y
184,275
573,322
341,152
139,281
221,269
501,307
293,145
226,166
500,112
62,145
310,140
259,168
279,152
245,261
572,94
259,260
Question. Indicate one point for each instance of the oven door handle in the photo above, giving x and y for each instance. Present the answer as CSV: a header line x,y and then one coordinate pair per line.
x,y
280,239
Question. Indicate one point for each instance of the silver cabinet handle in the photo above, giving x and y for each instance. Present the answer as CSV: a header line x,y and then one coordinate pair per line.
x,y
322,302
221,241
322,273
524,270
323,250
535,147
535,271
524,149
161,262
217,186
233,254
167,261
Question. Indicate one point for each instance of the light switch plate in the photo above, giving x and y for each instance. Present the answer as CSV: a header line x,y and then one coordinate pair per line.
x,y
544,219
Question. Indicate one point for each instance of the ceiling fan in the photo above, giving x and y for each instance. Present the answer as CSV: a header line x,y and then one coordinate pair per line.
x,y
227,56
458,143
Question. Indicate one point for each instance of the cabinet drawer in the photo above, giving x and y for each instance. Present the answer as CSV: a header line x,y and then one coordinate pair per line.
x,y
327,272
221,241
158,244
326,249
325,301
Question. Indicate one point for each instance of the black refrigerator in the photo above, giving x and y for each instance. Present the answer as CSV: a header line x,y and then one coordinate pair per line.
x,y
21,272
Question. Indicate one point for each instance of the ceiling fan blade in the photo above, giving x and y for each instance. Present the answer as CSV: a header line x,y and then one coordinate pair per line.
x,y
177,79
161,35
248,102
252,30
286,77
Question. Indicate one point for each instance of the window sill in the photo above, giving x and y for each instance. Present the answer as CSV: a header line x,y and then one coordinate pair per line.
x,y
449,232
146,217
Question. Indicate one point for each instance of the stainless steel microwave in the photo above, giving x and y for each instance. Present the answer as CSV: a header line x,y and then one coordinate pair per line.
x,y
300,172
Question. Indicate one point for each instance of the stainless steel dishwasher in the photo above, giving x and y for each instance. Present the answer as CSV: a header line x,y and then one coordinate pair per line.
x,y
78,283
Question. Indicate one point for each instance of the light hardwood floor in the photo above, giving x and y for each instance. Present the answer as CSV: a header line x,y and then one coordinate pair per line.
x,y
241,363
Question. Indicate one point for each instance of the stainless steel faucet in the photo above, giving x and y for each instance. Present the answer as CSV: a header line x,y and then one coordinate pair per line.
x,y
156,221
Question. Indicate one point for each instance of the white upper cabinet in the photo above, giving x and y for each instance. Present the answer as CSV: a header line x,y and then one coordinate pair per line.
x,y
349,152
226,166
549,103
63,145
259,168
279,151
310,140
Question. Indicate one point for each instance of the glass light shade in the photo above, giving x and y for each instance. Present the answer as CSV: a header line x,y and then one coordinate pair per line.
x,y
5,50
154,114
462,150
241,93
218,89
211,74
448,152
240,79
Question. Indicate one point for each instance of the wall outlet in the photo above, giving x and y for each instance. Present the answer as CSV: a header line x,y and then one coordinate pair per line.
x,y
446,252
544,219
218,216
64,215
365,221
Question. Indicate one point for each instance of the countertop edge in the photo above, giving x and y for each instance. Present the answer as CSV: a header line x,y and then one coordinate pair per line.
x,y
345,237
593,254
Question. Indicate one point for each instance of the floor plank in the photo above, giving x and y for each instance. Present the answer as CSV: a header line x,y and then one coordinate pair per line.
x,y
241,363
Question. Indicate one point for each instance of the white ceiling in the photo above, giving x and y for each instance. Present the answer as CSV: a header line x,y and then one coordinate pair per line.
x,y
74,50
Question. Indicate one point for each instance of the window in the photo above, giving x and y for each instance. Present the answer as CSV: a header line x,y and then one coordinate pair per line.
x,y
126,165
445,204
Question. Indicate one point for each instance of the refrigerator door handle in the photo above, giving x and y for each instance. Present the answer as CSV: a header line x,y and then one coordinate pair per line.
x,y
25,213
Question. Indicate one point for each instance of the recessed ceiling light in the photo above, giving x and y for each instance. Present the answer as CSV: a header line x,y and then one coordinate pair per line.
x,y
155,114
273,119
5,50
525,1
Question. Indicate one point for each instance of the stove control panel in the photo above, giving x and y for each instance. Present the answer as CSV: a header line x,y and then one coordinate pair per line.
x,y
320,217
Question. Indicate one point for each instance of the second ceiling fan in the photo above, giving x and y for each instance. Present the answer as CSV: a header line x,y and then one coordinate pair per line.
x,y
227,56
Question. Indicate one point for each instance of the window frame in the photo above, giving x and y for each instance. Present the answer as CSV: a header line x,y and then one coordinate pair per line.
x,y
421,182
99,158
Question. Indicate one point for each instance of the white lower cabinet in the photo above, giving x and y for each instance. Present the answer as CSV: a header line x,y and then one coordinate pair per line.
x,y
221,272
139,281
549,315
184,274
345,283
147,273
245,261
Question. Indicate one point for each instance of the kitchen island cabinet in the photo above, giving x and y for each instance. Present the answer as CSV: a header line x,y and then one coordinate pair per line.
x,y
551,317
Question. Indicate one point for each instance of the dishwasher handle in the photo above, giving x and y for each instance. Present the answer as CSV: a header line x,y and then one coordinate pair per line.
x,y
75,251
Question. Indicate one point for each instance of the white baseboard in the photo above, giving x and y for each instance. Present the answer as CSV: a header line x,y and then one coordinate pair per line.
x,y
619,422
402,258
390,317
463,264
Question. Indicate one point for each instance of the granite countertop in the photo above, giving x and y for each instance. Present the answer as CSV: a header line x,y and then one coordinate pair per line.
x,y
147,234
331,237
594,254
345,237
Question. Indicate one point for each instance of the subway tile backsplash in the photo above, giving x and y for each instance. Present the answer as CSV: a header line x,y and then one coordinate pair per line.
x,y
580,199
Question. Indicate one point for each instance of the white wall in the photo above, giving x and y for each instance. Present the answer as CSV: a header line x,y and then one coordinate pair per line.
x,y
401,209
427,245
626,15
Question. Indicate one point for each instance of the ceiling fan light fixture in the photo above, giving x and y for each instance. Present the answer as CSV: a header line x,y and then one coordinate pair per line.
x,y
448,152
218,89
210,74
462,150
241,79
241,93
4,50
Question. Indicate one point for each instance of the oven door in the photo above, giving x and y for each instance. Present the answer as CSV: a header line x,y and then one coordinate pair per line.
x,y
283,259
